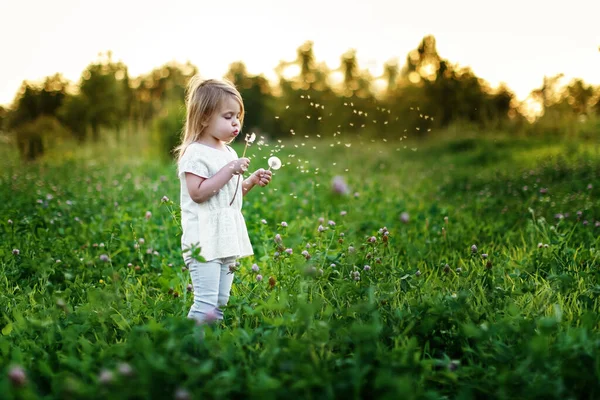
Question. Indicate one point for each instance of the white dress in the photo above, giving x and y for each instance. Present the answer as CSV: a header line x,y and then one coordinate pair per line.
x,y
218,228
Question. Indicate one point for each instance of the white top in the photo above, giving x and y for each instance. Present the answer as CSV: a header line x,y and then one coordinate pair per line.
x,y
218,228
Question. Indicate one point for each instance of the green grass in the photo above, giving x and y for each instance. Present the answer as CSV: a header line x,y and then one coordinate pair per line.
x,y
430,319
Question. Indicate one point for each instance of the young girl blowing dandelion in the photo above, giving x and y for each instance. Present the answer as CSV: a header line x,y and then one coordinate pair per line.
x,y
208,170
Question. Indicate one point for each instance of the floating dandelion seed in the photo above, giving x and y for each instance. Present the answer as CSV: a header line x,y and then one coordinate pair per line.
x,y
274,163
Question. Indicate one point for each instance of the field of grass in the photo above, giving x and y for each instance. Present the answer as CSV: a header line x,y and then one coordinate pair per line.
x,y
464,269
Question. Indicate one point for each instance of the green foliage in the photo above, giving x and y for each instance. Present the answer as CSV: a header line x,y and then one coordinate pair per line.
x,y
167,129
33,138
93,301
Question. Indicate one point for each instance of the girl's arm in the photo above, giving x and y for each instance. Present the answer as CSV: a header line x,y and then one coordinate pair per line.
x,y
260,177
202,189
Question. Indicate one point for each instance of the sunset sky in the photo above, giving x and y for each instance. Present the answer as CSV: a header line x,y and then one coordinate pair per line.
x,y
517,42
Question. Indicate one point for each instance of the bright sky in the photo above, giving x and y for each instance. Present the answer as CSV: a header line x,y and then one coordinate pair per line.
x,y
512,41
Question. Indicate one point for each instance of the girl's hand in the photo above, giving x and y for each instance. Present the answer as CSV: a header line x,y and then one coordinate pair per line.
x,y
239,166
261,177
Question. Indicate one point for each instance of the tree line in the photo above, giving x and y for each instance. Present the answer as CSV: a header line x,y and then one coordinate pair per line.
x,y
421,96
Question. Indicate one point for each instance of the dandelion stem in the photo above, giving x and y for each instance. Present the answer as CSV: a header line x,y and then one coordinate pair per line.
x,y
237,185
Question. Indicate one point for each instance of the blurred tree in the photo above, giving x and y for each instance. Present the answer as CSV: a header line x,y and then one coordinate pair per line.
x,y
3,115
75,115
33,138
391,72
33,101
161,88
256,92
104,86
304,98
579,96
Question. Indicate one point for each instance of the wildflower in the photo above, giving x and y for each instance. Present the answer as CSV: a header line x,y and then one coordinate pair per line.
x,y
104,258
597,224
559,216
404,217
125,369
320,271
16,252
343,213
272,282
355,275
148,215
473,249
525,188
589,186
9,222
259,277
165,199
367,268
182,394
459,270
488,265
277,238
289,251
579,213
418,273
58,261
546,245
190,287
17,376
544,190
484,256
585,222
255,268
372,239
276,254
306,254
446,219
210,317
320,228
263,221
351,249
321,220
232,268
356,194
540,245
446,268
331,223
339,185
105,377
453,366
284,224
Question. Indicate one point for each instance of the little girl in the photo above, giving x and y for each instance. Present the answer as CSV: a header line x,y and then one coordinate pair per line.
x,y
207,170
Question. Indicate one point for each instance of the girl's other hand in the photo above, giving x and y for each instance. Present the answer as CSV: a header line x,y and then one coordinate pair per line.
x,y
240,165
261,177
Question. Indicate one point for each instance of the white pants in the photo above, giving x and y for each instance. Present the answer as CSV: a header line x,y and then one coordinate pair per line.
x,y
212,285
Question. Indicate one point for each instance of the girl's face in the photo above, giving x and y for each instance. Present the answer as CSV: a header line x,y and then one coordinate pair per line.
x,y
224,125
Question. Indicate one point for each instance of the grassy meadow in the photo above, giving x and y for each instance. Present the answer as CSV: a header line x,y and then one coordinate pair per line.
x,y
465,268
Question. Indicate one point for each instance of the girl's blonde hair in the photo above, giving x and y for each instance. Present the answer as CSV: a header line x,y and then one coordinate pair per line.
x,y
203,98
